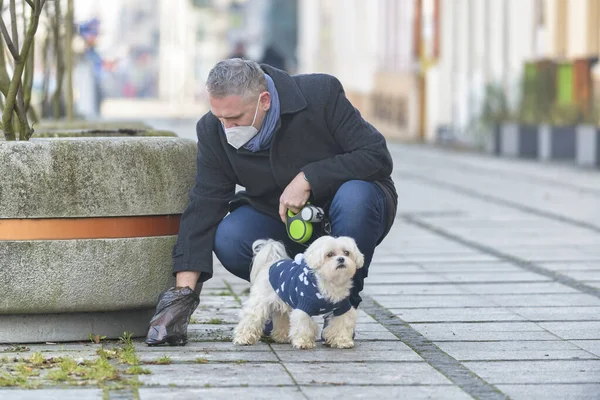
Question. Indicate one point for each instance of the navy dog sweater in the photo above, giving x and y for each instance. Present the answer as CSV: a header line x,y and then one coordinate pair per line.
x,y
296,285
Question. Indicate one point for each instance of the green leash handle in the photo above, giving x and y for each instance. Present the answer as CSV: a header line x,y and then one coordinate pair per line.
x,y
300,226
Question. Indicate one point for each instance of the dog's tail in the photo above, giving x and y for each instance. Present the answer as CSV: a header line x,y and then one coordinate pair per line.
x,y
266,253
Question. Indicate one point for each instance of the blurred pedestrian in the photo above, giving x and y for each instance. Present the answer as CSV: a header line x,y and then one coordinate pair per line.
x,y
239,51
273,58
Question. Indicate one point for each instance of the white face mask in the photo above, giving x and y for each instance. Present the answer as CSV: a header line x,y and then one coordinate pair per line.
x,y
237,136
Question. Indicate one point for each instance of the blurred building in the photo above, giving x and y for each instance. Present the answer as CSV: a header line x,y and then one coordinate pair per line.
x,y
481,43
370,47
268,29
514,46
423,69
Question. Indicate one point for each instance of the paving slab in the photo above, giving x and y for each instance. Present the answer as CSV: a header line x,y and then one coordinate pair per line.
x,y
469,267
573,313
456,314
471,256
213,374
515,350
228,393
486,331
450,301
362,352
518,288
552,371
498,276
377,335
571,266
373,373
544,300
438,392
573,330
421,277
585,276
202,357
574,391
412,289
593,346
197,333
395,268
51,394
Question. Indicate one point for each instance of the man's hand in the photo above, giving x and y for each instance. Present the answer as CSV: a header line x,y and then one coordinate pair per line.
x,y
295,196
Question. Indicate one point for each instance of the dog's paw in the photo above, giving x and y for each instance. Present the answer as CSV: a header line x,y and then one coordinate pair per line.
x,y
280,337
245,340
340,343
303,344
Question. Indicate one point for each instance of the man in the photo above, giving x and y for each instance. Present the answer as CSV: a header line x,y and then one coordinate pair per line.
x,y
287,140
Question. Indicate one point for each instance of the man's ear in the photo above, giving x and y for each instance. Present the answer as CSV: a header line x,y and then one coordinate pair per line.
x,y
265,101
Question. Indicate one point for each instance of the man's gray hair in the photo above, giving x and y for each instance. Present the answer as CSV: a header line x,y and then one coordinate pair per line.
x,y
236,77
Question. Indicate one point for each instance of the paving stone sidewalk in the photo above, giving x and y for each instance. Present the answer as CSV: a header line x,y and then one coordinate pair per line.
x,y
487,287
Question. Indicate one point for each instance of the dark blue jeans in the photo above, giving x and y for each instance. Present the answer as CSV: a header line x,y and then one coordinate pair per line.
x,y
358,210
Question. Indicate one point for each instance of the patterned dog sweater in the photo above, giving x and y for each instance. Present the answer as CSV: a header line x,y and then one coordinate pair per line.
x,y
296,285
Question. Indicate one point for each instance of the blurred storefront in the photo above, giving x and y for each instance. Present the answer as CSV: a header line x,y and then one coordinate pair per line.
x,y
536,56
427,69
369,46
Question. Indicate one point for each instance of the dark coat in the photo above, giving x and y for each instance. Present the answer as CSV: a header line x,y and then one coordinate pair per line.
x,y
319,132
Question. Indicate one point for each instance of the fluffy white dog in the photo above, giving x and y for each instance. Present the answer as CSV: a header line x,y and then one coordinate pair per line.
x,y
290,292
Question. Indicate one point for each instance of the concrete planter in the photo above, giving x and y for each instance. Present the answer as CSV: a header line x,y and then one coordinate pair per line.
x,y
557,142
516,140
86,231
588,146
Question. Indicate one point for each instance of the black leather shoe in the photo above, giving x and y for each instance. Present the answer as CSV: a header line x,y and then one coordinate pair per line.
x,y
173,312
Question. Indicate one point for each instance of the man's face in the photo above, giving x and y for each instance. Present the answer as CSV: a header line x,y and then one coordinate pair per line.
x,y
239,111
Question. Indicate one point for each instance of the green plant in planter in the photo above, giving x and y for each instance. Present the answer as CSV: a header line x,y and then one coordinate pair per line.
x,y
566,115
495,108
537,93
592,117
17,89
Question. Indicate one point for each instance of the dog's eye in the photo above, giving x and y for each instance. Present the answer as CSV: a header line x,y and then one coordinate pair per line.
x,y
346,253
330,254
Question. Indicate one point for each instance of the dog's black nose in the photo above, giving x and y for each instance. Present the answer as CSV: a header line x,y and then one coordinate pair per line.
x,y
341,260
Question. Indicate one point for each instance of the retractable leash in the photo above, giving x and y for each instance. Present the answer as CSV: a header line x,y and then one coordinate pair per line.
x,y
300,226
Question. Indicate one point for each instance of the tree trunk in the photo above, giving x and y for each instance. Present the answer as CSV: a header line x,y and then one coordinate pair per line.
x,y
28,77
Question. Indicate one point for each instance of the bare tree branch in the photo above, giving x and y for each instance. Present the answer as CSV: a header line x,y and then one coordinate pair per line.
x,y
30,3
11,99
9,43
13,23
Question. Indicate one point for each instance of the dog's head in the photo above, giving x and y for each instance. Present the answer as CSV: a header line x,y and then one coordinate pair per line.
x,y
334,259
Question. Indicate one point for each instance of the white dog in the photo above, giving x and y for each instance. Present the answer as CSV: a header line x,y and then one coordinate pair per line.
x,y
290,292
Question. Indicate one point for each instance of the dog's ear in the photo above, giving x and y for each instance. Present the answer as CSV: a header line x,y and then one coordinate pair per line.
x,y
314,254
357,256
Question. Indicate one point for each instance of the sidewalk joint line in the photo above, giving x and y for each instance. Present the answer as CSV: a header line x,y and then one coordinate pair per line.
x,y
497,200
523,264
288,372
441,361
